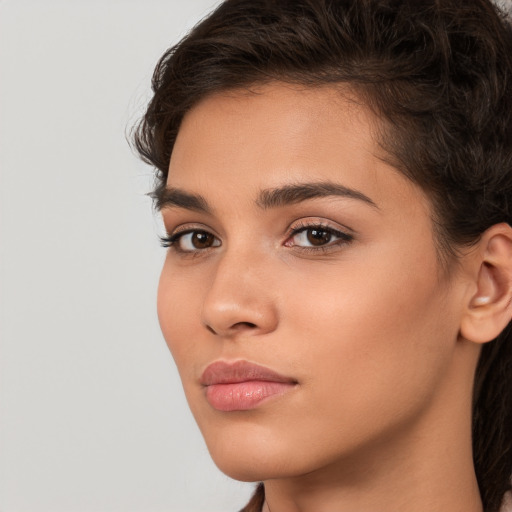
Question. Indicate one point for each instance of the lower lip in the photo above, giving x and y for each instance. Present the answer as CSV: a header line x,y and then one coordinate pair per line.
x,y
243,396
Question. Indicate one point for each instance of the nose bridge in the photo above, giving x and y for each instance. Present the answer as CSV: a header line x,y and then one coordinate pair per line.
x,y
239,297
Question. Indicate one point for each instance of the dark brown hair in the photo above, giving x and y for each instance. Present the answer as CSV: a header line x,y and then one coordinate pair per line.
x,y
439,75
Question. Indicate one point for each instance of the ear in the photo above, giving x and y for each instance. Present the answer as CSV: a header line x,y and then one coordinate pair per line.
x,y
489,301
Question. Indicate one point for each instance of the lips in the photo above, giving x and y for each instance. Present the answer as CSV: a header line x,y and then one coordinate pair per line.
x,y
242,386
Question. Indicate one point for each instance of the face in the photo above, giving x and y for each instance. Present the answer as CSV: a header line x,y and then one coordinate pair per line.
x,y
301,295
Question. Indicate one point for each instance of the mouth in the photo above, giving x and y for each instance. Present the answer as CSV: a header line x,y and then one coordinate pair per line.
x,y
242,386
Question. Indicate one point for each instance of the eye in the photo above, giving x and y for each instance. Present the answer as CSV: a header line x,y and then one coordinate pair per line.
x,y
318,236
191,241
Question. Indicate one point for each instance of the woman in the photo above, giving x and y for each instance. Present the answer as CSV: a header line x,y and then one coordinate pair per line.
x,y
335,179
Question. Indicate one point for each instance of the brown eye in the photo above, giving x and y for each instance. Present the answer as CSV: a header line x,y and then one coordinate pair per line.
x,y
318,236
311,237
193,241
202,240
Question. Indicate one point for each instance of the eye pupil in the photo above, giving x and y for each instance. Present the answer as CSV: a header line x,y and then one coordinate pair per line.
x,y
318,236
202,240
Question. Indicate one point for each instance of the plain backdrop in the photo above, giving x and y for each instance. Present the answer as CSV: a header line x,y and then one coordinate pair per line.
x,y
92,414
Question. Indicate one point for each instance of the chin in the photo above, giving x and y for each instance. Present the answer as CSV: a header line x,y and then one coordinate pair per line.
x,y
249,453
250,467
243,470
241,453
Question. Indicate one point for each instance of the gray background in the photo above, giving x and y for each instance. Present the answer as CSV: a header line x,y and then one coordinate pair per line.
x,y
92,414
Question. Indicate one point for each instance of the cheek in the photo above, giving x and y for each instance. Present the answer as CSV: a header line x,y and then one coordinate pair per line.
x,y
178,310
381,333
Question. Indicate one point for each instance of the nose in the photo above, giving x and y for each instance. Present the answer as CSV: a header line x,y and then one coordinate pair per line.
x,y
241,299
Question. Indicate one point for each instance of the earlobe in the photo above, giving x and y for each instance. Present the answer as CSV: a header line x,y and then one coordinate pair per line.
x,y
489,309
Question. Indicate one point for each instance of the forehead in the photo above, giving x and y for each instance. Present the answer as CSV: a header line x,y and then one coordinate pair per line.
x,y
243,141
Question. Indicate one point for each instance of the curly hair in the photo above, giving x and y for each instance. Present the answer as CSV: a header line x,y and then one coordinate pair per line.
x,y
439,75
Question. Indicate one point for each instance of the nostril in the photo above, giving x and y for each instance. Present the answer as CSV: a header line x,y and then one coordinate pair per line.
x,y
235,327
244,325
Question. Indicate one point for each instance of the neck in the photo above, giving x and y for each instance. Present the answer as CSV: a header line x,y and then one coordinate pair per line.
x,y
435,484
425,467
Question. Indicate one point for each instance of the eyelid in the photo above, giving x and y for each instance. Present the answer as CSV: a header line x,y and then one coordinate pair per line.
x,y
319,222
187,227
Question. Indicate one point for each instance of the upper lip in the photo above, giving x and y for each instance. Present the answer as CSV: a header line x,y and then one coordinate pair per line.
x,y
223,372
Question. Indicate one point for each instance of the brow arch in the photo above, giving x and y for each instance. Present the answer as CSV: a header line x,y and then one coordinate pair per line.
x,y
267,198
296,193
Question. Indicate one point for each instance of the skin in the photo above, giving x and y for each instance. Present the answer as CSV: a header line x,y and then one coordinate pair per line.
x,y
368,328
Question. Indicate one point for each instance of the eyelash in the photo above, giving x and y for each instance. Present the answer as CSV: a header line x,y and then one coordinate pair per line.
x,y
172,241
342,237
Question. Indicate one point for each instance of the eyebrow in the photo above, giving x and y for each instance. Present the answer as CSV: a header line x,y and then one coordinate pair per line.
x,y
296,193
169,197
268,198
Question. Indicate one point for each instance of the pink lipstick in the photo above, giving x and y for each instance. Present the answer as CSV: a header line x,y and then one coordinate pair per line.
x,y
241,386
